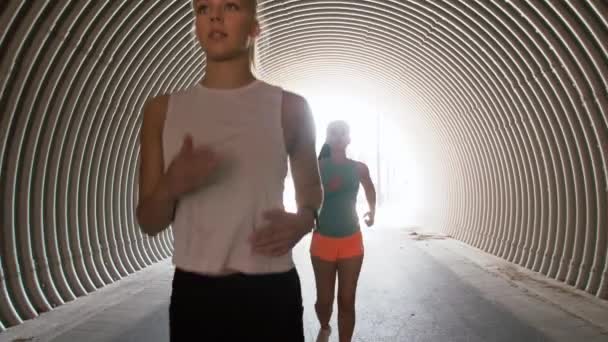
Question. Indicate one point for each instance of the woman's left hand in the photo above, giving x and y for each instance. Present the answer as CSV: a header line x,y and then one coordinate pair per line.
x,y
369,218
281,233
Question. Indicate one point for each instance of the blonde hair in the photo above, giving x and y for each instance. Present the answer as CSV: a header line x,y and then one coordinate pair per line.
x,y
337,125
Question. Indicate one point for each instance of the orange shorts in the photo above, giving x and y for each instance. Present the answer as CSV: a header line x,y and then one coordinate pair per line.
x,y
331,249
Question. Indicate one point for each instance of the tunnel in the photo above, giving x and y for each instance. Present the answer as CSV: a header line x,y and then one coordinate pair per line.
x,y
501,106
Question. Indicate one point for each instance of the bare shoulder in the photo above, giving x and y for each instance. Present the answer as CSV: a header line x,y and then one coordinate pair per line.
x,y
298,123
295,107
362,168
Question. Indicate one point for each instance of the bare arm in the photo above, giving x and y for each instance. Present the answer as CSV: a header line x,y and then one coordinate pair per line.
x,y
155,206
299,122
368,187
284,230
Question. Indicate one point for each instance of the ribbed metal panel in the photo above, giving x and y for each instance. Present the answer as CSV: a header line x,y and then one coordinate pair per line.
x,y
512,94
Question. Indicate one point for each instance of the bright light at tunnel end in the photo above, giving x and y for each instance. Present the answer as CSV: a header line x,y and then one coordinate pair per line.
x,y
378,141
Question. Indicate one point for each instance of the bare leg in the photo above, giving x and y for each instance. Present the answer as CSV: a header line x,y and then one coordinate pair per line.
x,y
325,277
348,276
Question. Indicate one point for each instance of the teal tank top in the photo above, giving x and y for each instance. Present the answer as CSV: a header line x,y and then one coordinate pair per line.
x,y
338,216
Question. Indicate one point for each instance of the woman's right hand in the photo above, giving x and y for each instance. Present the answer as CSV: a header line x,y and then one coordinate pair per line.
x,y
190,169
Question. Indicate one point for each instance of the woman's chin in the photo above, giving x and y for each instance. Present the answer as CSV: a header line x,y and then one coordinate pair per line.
x,y
223,54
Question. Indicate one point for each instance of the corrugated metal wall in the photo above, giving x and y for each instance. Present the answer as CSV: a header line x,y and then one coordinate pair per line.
x,y
513,95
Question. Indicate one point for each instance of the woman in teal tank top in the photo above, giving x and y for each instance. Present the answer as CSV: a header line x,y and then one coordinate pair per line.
x,y
337,243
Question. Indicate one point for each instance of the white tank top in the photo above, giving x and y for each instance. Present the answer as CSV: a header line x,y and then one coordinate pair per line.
x,y
243,126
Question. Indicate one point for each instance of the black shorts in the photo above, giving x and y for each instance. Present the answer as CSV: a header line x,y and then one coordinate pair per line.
x,y
236,308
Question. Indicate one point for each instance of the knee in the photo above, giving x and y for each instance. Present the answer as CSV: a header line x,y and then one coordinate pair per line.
x,y
346,303
325,303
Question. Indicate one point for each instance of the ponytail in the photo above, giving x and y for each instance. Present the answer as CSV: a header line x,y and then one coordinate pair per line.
x,y
325,151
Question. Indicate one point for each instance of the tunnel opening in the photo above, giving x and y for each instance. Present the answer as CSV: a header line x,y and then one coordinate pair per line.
x,y
403,194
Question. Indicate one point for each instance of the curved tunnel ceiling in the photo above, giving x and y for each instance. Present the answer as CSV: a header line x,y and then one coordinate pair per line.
x,y
511,94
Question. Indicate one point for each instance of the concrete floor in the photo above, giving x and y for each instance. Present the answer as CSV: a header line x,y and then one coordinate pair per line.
x,y
412,288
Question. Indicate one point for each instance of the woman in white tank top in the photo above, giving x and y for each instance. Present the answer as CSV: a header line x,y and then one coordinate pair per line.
x,y
213,163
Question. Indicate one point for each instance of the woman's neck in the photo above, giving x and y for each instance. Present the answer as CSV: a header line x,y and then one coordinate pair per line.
x,y
234,73
338,156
